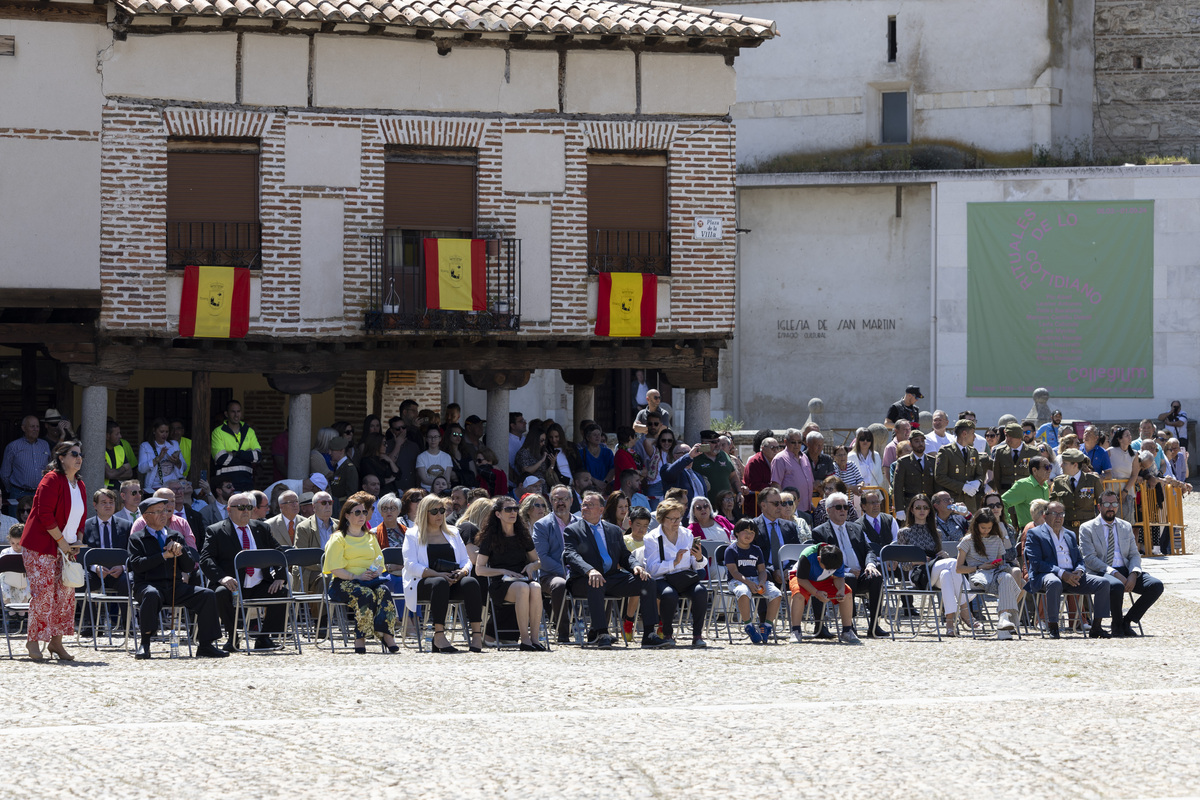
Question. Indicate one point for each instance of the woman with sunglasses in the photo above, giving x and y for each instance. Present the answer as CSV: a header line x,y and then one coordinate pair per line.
x,y
661,454
53,532
787,512
408,506
490,478
533,507
707,525
987,556
354,560
508,560
437,569
864,457
1123,458
938,569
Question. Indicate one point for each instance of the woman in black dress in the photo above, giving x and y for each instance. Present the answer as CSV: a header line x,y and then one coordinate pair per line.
x,y
508,559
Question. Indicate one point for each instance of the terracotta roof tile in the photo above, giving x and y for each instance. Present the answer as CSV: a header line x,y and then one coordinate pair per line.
x,y
594,17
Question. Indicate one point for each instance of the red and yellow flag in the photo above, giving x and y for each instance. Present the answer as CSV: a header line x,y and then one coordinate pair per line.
x,y
455,274
215,303
627,304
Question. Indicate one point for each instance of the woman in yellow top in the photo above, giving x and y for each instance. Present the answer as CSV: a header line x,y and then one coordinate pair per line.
x,y
353,558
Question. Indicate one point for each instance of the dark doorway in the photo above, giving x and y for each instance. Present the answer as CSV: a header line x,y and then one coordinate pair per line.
x,y
615,397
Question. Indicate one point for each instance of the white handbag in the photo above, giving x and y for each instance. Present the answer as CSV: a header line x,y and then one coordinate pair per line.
x,y
72,573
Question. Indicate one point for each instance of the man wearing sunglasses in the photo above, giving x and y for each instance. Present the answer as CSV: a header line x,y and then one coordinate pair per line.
x,y
960,469
222,542
864,571
1010,460
1056,566
1077,490
1110,552
774,531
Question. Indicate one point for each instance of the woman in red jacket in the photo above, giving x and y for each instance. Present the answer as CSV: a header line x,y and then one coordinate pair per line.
x,y
54,528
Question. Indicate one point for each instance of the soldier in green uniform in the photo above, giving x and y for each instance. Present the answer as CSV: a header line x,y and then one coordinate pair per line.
x,y
1078,491
960,469
1010,460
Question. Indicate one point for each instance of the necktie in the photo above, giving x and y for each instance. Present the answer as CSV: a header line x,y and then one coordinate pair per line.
x,y
1112,544
292,530
162,540
246,546
965,457
776,543
106,538
1016,456
876,523
598,534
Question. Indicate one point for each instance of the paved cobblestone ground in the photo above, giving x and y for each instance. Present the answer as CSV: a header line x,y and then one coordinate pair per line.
x,y
960,718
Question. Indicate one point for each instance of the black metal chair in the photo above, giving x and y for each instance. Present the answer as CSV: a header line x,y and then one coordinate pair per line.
x,y
297,559
264,560
97,603
11,563
897,585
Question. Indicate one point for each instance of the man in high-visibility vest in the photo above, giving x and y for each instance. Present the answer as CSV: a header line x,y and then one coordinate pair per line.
x,y
235,449
117,467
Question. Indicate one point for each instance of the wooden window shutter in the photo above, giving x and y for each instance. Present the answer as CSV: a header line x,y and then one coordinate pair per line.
x,y
626,197
212,187
401,377
429,197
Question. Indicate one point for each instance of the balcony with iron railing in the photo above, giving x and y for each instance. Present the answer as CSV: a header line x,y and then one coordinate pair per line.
x,y
215,244
629,251
397,298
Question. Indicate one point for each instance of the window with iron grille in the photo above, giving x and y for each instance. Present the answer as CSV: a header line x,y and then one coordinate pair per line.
x,y
212,204
628,224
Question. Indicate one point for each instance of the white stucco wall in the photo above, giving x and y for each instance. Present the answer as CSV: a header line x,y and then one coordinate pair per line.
x,y
831,256
274,70
51,82
686,84
50,223
817,88
600,83
322,244
198,66
411,75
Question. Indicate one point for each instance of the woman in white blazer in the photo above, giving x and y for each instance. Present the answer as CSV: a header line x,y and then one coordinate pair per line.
x,y
673,558
437,570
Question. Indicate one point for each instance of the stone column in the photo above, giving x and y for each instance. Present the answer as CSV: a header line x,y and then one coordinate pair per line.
x,y
497,425
697,406
94,422
584,408
299,435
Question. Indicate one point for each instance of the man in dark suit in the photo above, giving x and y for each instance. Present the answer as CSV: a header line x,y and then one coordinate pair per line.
x,y
774,533
1056,566
160,562
183,508
106,531
600,566
864,572
914,474
880,529
345,475
222,542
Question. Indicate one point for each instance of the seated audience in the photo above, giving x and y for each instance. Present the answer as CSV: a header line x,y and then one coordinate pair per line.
x,y
673,558
508,558
437,569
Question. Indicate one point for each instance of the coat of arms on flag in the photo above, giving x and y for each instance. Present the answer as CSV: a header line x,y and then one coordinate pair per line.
x,y
455,274
215,303
627,304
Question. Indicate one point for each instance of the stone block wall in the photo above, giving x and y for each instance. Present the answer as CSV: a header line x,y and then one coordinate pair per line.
x,y
1147,74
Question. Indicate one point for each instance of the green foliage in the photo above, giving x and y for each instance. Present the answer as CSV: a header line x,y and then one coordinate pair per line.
x,y
727,423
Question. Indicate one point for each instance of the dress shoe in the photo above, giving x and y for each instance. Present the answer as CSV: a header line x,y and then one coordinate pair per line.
x,y
1098,632
1127,630
265,643
143,651
564,638
880,633
210,650
230,646
528,648
1052,630
823,633
362,651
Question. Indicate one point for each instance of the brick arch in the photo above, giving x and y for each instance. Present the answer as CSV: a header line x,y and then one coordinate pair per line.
x,y
224,124
628,135
433,131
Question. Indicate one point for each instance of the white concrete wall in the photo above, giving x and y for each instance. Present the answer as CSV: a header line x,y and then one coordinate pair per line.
x,y
50,223
817,88
51,82
1176,195
322,244
198,66
274,70
386,73
686,84
815,260
600,83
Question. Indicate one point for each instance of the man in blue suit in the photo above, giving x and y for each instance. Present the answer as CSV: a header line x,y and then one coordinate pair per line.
x,y
548,533
680,475
1056,566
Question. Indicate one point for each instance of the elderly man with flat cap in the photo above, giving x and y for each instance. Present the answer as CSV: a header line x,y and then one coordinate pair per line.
x,y
1077,490
160,562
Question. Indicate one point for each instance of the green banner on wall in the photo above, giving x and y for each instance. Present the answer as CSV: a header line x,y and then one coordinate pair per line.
x,y
1060,295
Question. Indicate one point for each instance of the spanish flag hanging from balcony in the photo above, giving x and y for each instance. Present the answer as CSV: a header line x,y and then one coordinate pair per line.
x,y
455,274
627,304
215,302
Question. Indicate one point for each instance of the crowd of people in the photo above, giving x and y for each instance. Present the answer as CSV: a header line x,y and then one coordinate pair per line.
x,y
1018,510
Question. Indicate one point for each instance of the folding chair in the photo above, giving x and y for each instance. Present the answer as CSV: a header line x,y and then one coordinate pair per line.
x,y
720,599
297,558
984,613
614,609
169,616
543,625
787,552
896,585
97,604
11,563
1075,617
264,560
422,623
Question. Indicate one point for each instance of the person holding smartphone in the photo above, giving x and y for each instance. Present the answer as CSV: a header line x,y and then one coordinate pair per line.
x,y
674,558
987,556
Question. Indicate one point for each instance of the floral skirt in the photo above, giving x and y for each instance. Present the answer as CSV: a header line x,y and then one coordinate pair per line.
x,y
371,604
51,605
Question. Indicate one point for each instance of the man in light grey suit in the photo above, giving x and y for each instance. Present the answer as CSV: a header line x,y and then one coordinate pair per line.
x,y
548,541
1110,552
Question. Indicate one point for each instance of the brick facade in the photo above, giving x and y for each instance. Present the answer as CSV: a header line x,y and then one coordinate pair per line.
x,y
133,207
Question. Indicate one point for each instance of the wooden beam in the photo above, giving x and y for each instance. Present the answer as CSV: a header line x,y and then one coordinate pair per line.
x,y
53,12
201,419
52,298
52,333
